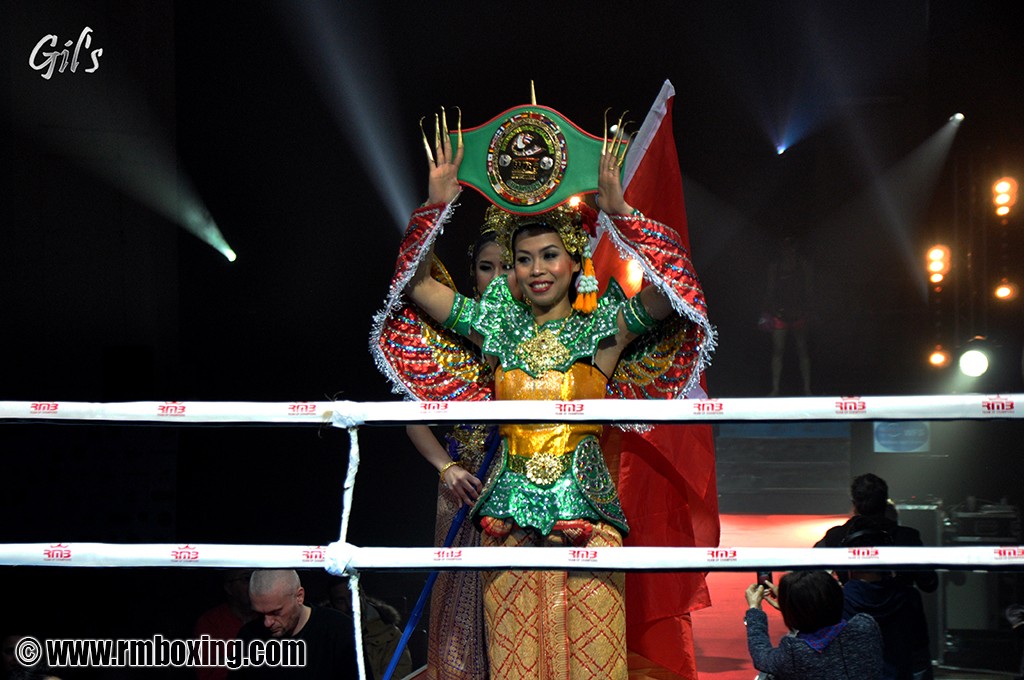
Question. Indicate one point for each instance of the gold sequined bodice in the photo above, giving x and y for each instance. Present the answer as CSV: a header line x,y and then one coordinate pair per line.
x,y
581,381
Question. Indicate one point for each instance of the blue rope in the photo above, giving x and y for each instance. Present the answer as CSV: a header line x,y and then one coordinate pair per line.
x,y
417,611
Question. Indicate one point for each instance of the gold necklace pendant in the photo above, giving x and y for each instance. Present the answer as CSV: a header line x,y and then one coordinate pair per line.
x,y
543,351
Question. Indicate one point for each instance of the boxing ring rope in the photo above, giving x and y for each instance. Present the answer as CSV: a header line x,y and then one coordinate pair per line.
x,y
349,414
345,559
341,557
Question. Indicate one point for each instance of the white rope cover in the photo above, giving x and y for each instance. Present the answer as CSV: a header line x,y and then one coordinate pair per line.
x,y
351,414
345,559
60,554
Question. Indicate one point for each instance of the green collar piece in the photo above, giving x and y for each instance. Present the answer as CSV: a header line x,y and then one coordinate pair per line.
x,y
530,159
510,333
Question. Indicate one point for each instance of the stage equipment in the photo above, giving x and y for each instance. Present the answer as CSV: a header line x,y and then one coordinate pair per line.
x,y
975,633
937,263
1005,290
939,357
1004,195
975,358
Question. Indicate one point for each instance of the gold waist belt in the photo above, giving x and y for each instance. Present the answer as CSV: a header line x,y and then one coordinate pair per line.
x,y
527,440
540,468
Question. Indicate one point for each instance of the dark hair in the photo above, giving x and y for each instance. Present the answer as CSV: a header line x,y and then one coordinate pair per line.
x,y
478,245
870,494
810,600
474,255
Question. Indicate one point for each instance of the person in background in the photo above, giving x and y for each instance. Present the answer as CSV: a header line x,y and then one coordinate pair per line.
x,y
277,599
785,310
225,620
455,650
821,645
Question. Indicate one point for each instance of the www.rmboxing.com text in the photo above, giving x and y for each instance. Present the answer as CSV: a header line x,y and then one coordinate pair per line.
x,y
161,652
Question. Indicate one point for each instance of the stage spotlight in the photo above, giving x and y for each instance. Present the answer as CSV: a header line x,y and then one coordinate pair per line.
x,y
1005,290
937,263
974,360
939,357
780,149
957,118
1004,195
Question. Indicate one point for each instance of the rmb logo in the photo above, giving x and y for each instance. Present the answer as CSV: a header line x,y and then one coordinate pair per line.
x,y
44,407
851,405
1009,553
447,555
315,554
564,407
185,553
433,406
863,553
579,555
57,552
722,555
997,404
708,407
302,409
171,408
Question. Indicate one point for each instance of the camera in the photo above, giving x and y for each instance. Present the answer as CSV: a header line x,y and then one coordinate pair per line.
x,y
764,578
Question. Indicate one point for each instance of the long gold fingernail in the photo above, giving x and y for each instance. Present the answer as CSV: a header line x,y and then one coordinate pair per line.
x,y
617,139
444,121
460,125
604,142
626,147
426,144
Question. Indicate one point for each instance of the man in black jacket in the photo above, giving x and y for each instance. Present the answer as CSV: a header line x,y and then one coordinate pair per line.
x,y
870,526
278,600
891,599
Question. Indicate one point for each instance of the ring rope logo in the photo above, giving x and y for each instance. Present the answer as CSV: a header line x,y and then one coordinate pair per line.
x,y
527,158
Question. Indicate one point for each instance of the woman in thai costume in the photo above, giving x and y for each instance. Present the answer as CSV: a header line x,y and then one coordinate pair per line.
x,y
553,486
455,649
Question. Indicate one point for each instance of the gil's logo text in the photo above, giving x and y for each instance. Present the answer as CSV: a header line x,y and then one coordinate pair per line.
x,y
45,62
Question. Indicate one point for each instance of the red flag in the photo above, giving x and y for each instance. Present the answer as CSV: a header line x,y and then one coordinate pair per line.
x,y
667,475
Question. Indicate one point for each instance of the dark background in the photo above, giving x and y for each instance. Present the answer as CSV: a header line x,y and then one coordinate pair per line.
x,y
104,297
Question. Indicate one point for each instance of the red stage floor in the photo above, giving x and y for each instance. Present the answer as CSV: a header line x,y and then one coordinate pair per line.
x,y
719,633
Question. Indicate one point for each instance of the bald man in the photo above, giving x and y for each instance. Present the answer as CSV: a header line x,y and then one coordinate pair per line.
x,y
278,599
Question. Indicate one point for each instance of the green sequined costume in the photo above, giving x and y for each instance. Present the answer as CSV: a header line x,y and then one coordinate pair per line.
x,y
548,472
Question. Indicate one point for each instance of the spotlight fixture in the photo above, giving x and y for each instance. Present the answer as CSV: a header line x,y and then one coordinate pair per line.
x,y
939,357
957,118
1004,195
937,263
1005,290
780,149
974,360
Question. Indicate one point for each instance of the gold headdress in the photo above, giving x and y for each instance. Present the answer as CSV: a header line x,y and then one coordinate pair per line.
x,y
567,221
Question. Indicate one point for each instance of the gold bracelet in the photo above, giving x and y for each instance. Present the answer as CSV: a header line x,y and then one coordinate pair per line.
x,y
444,469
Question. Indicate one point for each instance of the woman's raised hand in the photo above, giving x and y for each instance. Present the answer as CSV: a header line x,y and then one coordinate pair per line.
x,y
609,172
443,184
